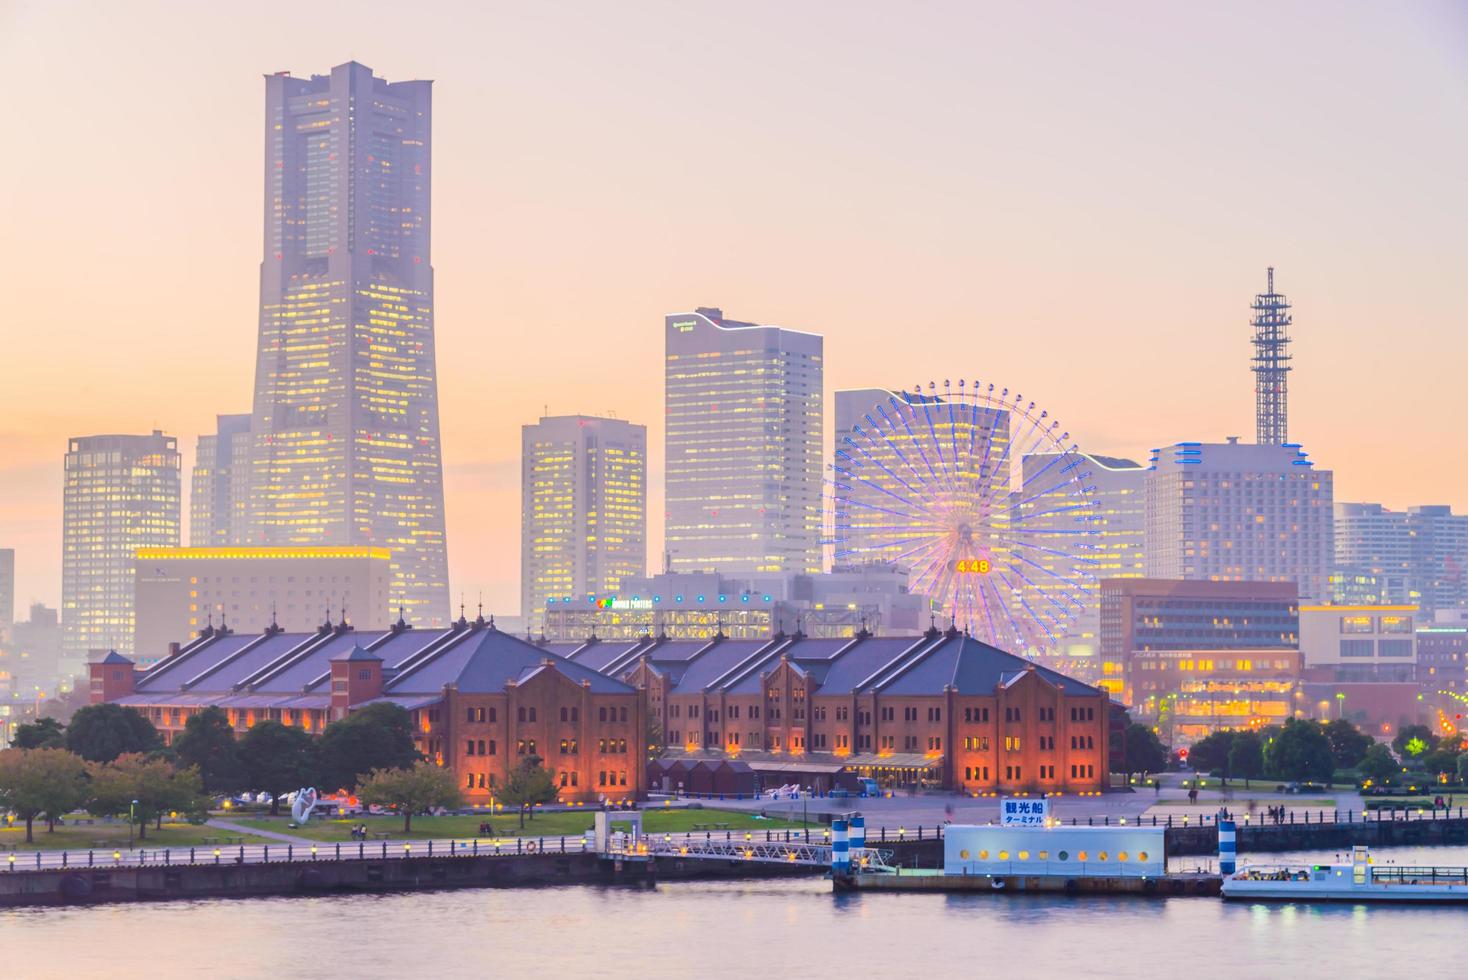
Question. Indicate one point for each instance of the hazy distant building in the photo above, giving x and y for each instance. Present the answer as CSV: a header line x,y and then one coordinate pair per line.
x,y
219,486
583,518
1239,512
120,493
1359,643
183,590
31,662
1417,556
743,452
7,592
1118,522
345,422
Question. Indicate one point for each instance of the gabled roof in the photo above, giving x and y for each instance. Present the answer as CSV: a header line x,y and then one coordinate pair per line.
x,y
113,657
355,653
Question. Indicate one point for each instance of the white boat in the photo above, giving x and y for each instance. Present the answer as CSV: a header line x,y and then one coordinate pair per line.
x,y
1360,881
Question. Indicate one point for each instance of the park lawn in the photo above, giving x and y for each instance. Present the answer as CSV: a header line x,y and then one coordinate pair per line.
x,y
571,823
112,836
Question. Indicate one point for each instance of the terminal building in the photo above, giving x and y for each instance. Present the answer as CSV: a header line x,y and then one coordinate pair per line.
x,y
481,699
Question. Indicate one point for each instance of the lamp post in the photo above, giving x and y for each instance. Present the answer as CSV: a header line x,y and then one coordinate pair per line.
x,y
1340,705
132,815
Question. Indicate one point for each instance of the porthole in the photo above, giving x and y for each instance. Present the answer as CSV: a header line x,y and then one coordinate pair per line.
x,y
1064,855
1121,856
983,855
1101,856
1044,855
1080,855
1024,855
1004,855
963,854
1141,855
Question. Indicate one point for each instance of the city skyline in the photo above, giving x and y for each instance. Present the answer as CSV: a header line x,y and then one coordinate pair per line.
x,y
957,289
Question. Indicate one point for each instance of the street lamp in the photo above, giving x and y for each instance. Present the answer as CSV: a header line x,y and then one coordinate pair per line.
x,y
132,815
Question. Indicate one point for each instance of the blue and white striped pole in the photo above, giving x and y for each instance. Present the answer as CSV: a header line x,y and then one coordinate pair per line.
x,y
1227,847
858,833
840,848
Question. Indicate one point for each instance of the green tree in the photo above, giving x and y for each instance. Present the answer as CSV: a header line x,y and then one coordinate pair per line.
x,y
410,791
102,732
1378,765
379,736
1463,768
1246,756
1413,741
278,759
208,743
654,733
143,788
43,733
1208,754
41,782
1443,759
1300,751
529,783
1348,744
1142,752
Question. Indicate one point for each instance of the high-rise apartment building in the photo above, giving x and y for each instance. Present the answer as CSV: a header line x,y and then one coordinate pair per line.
x,y
1117,526
1417,556
219,486
583,519
121,493
744,419
345,422
1240,512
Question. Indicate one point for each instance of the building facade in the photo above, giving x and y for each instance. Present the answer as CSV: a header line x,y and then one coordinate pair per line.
x,y
219,485
743,451
1359,643
1240,513
7,592
583,511
345,426
120,493
180,591
939,709
1442,659
481,700
1201,628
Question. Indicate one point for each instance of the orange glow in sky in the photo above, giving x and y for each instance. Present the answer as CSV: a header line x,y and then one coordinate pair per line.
x,y
1079,200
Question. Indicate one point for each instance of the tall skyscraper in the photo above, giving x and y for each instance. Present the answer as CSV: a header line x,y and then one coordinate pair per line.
x,y
1119,521
583,523
744,418
219,487
121,493
1271,325
345,424
1240,513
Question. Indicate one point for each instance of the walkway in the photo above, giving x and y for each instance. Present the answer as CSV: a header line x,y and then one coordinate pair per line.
x,y
239,828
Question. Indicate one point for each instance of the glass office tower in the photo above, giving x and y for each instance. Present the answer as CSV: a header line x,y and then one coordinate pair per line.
x,y
345,422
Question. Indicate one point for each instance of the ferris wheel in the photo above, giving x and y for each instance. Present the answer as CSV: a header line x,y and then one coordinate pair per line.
x,y
982,498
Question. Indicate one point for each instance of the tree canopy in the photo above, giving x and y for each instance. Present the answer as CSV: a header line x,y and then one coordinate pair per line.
x,y
102,732
41,782
379,736
1412,741
208,743
1211,753
529,783
1378,765
1348,744
411,791
1143,752
1246,756
278,759
1300,751
143,787
43,733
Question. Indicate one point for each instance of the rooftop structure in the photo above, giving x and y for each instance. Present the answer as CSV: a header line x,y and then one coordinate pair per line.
x,y
1271,368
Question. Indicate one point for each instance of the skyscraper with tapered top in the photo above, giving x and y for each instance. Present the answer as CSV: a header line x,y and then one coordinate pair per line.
x,y
345,425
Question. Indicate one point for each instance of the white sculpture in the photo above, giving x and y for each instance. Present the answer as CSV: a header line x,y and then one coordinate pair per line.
x,y
303,804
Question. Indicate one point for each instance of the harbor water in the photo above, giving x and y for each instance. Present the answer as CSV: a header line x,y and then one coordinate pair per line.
x,y
749,928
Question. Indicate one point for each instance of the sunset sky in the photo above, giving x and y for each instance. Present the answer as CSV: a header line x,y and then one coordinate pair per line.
x,y
1078,200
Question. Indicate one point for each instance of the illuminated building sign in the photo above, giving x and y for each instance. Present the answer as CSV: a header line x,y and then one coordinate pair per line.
x,y
685,326
972,566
